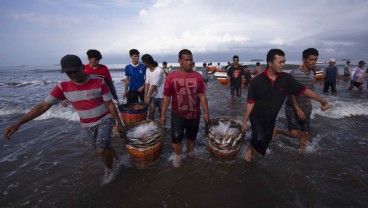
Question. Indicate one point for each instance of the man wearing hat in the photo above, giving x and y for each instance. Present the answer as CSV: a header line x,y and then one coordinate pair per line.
x,y
91,98
330,76
357,76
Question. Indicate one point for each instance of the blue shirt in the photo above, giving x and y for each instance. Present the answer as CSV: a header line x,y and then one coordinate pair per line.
x,y
136,76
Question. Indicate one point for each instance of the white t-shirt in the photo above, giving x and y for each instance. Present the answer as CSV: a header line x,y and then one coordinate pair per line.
x,y
156,78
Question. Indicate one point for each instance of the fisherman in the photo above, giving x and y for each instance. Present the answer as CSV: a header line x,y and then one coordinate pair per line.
x,y
357,76
298,109
188,92
330,76
91,98
266,95
154,87
235,77
134,79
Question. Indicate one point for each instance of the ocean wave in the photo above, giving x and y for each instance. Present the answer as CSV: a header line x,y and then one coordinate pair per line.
x,y
340,109
57,111
27,83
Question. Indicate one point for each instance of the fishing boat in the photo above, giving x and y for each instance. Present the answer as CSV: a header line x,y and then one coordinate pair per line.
x,y
318,74
221,77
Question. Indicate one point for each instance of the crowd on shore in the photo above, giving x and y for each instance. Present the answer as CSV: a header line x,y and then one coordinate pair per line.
x,y
92,93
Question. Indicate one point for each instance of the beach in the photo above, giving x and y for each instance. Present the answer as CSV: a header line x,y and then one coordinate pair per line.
x,y
49,163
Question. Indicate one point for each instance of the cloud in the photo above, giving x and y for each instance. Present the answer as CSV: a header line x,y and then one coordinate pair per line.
x,y
208,28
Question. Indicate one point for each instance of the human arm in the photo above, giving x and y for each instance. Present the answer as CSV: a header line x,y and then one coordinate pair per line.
x,y
364,75
127,80
248,110
299,111
312,95
165,105
36,111
112,109
150,92
204,103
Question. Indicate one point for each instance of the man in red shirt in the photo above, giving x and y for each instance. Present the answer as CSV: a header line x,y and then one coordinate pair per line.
x,y
187,89
94,67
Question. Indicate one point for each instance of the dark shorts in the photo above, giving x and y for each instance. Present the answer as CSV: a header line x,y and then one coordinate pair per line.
x,y
356,84
180,124
234,89
294,122
100,135
262,131
133,96
157,102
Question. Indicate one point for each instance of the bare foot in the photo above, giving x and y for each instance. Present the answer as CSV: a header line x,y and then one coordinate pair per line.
x,y
274,134
302,144
248,153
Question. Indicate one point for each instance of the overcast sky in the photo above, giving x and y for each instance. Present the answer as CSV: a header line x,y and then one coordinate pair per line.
x,y
37,32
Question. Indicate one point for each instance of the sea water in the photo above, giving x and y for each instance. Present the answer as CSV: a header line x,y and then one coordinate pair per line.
x,y
50,163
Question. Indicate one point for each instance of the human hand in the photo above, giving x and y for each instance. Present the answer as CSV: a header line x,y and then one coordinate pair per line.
x,y
301,114
324,105
65,103
10,130
245,126
162,120
206,117
146,100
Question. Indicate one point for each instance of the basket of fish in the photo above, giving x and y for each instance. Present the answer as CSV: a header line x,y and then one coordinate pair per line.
x,y
224,137
143,140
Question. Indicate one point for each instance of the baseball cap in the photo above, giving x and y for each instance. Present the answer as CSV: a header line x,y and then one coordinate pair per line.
x,y
332,60
70,63
362,62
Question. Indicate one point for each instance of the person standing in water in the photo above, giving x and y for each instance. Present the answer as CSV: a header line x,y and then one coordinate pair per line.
x,y
154,87
187,90
235,78
330,76
134,79
91,98
266,95
298,109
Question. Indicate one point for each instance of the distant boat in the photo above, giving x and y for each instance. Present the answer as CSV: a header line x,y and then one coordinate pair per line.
x,y
256,60
20,65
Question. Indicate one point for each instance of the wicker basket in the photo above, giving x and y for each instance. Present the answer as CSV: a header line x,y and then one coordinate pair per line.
x,y
132,113
216,151
148,155
145,157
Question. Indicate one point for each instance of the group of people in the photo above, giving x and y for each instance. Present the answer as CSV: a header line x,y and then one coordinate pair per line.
x,y
92,97
331,76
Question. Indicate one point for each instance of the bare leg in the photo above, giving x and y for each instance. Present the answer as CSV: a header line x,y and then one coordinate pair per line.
x,y
106,156
152,112
303,140
178,154
190,147
249,152
291,133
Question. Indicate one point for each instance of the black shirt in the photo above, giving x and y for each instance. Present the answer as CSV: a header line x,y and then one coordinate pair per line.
x,y
235,74
269,95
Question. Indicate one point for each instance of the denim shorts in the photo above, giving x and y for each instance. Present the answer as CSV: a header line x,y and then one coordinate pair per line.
x,y
100,135
157,102
180,124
